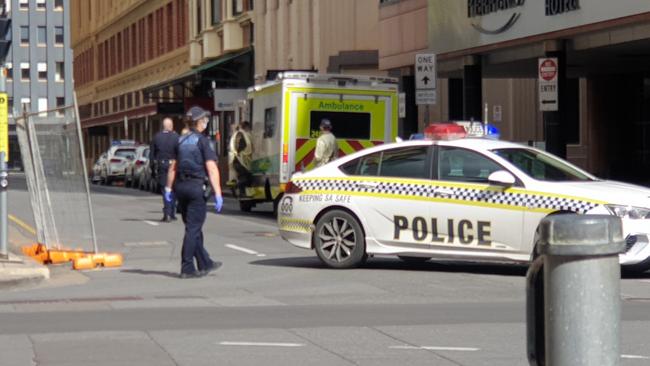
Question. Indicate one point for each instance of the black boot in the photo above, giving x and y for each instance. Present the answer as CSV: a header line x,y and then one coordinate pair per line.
x,y
166,219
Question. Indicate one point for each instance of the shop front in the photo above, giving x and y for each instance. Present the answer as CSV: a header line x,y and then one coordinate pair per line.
x,y
597,53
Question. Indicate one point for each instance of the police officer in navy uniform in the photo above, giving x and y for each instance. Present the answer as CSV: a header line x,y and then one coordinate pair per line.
x,y
195,160
162,153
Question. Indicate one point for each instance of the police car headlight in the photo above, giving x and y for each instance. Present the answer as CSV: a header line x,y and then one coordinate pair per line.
x,y
629,212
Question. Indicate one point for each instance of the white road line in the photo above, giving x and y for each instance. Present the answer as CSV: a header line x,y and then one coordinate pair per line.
x,y
245,250
151,222
261,344
635,357
435,348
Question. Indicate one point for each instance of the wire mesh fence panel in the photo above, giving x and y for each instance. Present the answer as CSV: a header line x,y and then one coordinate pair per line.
x,y
53,157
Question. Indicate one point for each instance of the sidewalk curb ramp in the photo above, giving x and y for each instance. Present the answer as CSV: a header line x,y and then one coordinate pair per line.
x,y
18,271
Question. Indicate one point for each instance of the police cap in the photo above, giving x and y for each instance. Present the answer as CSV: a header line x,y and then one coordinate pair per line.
x,y
196,113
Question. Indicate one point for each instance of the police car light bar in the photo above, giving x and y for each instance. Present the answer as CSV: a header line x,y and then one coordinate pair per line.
x,y
460,129
444,131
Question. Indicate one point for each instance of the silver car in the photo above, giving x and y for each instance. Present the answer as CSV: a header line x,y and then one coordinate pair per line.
x,y
117,160
135,170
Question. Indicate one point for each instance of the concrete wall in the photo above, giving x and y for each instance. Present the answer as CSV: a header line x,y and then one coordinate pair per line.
x,y
402,33
305,34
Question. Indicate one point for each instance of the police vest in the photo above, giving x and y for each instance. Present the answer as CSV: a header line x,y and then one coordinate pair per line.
x,y
190,158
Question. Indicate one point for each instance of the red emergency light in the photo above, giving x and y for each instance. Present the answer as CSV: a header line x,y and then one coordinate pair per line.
x,y
444,131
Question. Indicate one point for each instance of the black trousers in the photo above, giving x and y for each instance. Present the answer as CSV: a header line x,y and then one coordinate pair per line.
x,y
193,208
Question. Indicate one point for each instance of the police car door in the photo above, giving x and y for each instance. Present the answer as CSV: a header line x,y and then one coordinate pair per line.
x,y
471,215
392,193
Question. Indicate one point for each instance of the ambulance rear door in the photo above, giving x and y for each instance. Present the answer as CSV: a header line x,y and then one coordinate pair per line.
x,y
360,119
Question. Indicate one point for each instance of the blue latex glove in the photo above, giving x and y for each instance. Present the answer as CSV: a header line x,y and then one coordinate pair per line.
x,y
169,196
218,203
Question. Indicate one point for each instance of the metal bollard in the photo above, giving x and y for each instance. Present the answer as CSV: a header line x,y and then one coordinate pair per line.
x,y
579,291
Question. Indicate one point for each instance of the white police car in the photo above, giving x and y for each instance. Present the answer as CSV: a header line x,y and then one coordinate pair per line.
x,y
472,199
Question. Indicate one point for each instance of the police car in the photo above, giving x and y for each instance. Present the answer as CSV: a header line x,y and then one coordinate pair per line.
x,y
448,197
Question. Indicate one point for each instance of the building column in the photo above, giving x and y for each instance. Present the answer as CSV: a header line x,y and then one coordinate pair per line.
x,y
472,89
555,122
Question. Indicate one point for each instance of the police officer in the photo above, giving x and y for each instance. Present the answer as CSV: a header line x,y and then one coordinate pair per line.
x,y
326,147
162,153
195,160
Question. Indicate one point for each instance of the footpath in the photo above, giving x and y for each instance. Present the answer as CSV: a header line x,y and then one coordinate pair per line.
x,y
19,270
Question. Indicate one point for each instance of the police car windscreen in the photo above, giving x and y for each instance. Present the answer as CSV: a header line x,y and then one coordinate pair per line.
x,y
345,125
542,166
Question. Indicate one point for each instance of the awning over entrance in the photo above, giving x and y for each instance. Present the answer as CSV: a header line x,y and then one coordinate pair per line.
x,y
144,111
224,70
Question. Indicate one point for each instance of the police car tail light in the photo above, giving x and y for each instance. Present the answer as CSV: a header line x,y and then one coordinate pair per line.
x,y
291,188
444,131
116,161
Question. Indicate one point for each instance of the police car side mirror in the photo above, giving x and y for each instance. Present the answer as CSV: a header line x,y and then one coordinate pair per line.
x,y
502,178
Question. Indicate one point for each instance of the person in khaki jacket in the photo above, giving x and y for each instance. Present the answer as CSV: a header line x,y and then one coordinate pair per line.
x,y
326,146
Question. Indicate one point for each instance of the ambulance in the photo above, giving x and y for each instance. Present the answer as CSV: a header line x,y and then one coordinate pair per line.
x,y
285,115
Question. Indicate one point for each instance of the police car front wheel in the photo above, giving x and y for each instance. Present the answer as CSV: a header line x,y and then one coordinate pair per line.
x,y
339,240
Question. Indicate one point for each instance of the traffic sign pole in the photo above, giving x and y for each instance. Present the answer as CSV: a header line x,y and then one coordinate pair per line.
x,y
4,183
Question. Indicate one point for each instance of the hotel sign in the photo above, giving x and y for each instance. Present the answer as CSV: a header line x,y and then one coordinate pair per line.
x,y
462,25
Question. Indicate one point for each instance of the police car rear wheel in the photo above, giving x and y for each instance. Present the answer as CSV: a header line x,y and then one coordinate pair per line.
x,y
339,240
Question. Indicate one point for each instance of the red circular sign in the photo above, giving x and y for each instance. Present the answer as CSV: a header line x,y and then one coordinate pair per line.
x,y
548,69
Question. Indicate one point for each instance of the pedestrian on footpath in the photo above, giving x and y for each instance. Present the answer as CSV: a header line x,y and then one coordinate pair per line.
x,y
194,161
326,147
162,152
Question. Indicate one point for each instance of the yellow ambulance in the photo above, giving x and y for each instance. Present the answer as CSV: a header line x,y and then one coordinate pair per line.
x,y
285,115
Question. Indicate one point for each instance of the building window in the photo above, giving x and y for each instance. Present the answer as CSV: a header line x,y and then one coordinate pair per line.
x,y
25,104
24,4
24,34
40,4
199,17
42,36
10,70
11,106
42,107
24,71
58,5
60,103
58,35
237,7
216,11
42,71
60,72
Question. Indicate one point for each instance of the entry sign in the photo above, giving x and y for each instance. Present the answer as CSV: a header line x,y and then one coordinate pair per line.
x,y
425,78
4,125
548,86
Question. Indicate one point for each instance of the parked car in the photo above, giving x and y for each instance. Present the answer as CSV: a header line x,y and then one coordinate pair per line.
x,y
149,182
98,167
135,169
117,160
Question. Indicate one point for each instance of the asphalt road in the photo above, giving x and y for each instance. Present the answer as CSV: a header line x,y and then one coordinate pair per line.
x,y
270,303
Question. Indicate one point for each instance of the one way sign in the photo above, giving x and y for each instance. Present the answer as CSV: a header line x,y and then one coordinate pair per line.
x,y
425,78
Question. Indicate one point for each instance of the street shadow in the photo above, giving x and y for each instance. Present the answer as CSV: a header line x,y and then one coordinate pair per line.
x,y
389,264
151,273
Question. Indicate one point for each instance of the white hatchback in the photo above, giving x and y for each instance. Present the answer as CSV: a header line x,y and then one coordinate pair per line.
x,y
470,199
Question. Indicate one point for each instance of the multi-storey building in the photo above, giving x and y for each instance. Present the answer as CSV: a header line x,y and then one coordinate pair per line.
x,y
123,48
39,62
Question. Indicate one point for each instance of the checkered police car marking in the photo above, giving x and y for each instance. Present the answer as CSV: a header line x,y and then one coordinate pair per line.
x,y
295,225
516,199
